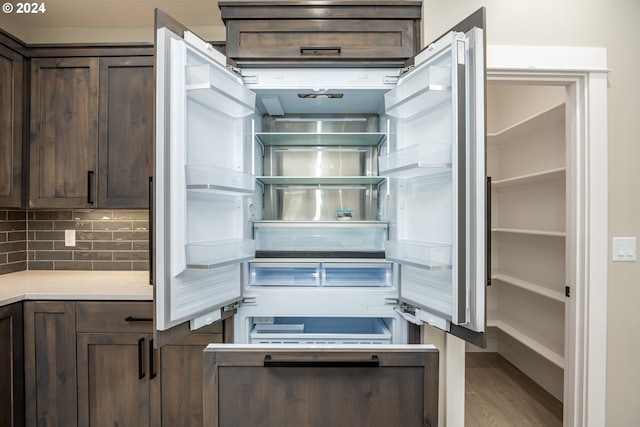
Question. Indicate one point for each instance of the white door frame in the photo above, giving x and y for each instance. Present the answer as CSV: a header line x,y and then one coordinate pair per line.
x,y
584,73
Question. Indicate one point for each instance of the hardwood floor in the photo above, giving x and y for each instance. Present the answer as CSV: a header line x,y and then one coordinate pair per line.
x,y
500,395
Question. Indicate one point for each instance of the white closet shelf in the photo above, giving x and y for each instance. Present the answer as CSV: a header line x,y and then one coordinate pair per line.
x,y
548,233
530,178
321,139
531,343
529,286
543,119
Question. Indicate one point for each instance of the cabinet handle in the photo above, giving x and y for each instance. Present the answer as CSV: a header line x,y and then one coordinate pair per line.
x,y
374,362
141,373
152,369
320,51
488,235
90,175
138,319
151,280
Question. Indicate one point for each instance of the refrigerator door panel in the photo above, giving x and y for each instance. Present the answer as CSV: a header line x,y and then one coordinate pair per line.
x,y
204,182
435,161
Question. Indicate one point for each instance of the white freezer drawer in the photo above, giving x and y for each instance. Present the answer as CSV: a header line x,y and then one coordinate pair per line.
x,y
322,330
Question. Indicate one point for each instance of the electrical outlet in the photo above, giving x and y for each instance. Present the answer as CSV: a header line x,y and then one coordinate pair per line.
x,y
69,237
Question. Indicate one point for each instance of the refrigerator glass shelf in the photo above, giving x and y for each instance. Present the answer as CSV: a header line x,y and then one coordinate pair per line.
x,y
208,255
419,92
430,256
219,180
212,87
321,139
416,160
321,180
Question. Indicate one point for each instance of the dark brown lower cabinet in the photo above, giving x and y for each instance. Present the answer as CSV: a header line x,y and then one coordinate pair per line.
x,y
50,363
123,380
11,366
117,382
93,363
292,387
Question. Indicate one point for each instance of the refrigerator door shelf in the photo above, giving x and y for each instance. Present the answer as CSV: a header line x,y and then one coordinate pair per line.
x,y
416,160
209,255
213,89
429,256
223,181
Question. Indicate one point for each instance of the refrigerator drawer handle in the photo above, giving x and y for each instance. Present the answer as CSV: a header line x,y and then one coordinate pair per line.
x,y
374,362
319,51
138,319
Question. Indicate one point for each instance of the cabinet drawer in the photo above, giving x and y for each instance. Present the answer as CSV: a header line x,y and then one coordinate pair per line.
x,y
114,316
321,40
304,34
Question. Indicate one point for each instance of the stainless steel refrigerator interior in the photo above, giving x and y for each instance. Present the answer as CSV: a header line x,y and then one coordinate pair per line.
x,y
326,205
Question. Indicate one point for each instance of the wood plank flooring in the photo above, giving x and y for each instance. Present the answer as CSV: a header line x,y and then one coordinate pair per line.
x,y
500,395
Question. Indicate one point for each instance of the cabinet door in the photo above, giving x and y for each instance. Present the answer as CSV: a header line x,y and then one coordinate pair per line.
x,y
11,119
64,132
11,366
50,363
125,132
181,373
437,170
114,380
203,182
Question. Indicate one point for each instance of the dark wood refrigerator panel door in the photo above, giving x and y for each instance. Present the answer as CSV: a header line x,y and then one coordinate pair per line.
x,y
64,132
311,387
125,131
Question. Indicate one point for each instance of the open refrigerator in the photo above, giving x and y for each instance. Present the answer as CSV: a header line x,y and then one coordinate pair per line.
x,y
321,205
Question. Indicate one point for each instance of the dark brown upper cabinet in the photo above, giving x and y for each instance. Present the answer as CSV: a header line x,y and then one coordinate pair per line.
x,y
91,132
11,125
64,132
125,140
321,33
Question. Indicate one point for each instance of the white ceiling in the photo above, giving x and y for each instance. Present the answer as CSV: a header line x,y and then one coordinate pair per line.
x,y
99,20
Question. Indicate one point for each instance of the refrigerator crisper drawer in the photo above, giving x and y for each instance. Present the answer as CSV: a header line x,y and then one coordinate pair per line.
x,y
322,330
300,237
333,274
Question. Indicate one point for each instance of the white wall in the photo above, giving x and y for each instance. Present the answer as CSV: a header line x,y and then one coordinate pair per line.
x,y
604,23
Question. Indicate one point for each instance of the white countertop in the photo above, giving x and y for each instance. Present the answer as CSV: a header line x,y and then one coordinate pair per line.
x,y
75,285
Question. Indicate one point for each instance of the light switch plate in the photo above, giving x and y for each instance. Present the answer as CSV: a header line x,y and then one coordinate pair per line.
x,y
624,249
